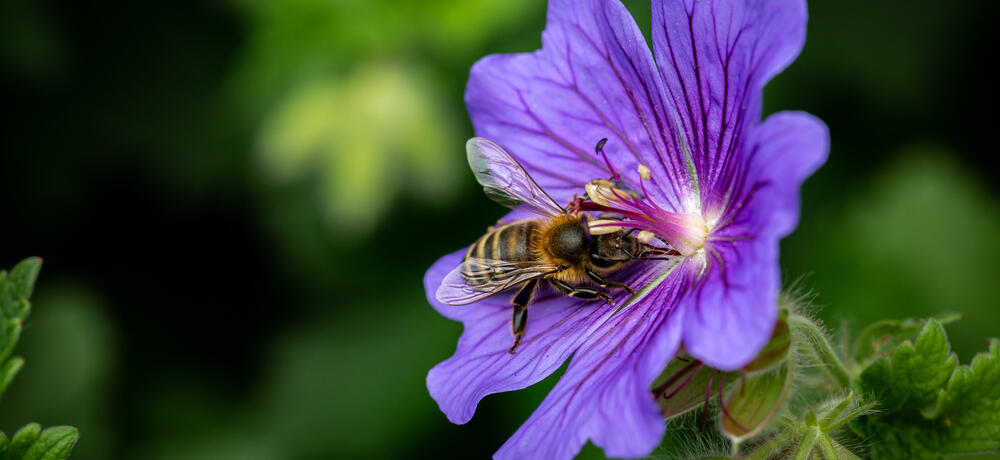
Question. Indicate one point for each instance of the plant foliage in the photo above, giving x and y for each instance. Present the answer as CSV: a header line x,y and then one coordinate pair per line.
x,y
31,442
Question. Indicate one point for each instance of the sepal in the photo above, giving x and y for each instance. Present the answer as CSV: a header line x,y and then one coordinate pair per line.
x,y
752,405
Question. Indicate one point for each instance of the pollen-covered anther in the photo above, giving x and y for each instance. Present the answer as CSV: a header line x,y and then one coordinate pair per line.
x,y
605,192
603,226
644,172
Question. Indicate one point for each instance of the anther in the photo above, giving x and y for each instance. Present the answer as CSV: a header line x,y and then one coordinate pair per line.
x,y
603,226
644,172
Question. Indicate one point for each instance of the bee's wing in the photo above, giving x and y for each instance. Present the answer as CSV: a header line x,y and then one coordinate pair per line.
x,y
504,180
476,279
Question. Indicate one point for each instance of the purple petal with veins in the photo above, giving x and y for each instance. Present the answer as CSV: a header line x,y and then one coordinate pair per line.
x,y
722,189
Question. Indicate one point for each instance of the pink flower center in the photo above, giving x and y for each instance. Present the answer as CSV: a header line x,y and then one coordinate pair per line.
x,y
686,233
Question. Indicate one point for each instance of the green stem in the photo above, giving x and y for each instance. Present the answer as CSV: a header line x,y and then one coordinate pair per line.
x,y
843,453
807,444
822,350
831,417
847,418
772,446
826,447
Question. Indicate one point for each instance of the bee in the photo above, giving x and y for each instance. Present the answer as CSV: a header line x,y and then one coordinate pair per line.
x,y
560,247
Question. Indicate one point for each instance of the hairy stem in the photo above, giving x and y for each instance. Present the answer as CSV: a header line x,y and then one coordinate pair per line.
x,y
772,446
807,444
829,362
826,447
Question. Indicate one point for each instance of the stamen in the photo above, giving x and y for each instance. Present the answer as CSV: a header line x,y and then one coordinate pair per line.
x,y
687,233
644,172
603,226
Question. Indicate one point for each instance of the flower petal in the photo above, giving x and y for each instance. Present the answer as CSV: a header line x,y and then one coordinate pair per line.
x,y
593,78
605,393
732,311
730,314
784,150
481,364
715,57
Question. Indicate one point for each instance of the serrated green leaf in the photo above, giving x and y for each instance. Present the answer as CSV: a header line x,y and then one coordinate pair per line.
x,y
20,309
8,371
23,440
924,366
877,377
22,277
871,338
16,287
55,443
752,405
9,335
30,442
964,413
884,336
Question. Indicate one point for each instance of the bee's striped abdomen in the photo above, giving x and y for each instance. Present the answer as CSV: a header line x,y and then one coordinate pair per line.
x,y
509,243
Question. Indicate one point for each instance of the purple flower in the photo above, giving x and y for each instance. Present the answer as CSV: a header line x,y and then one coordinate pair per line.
x,y
719,184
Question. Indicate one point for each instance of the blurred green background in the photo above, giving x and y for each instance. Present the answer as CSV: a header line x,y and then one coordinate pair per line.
x,y
236,202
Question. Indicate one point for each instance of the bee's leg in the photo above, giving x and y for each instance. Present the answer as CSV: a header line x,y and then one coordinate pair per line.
x,y
519,318
580,293
606,284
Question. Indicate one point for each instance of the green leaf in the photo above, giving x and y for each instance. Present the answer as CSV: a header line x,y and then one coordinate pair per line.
x,y
8,371
55,443
30,442
884,336
16,288
924,366
23,440
931,407
9,336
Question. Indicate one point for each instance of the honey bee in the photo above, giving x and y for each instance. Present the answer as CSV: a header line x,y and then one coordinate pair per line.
x,y
560,247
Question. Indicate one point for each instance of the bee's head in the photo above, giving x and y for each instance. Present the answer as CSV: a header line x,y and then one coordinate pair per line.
x,y
613,248
610,249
